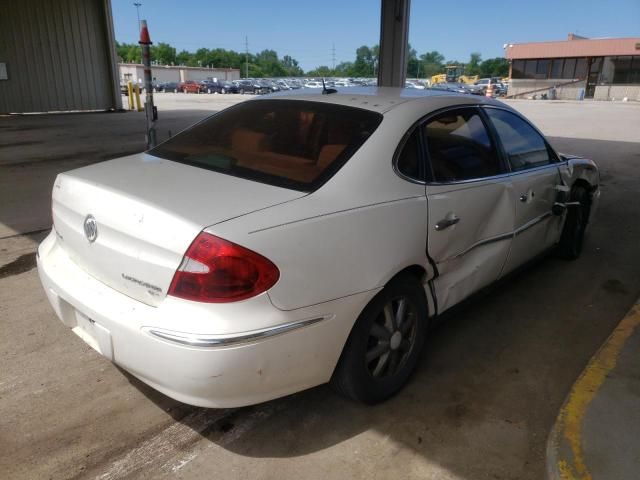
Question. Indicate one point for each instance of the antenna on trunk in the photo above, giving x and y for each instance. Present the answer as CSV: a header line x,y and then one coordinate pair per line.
x,y
327,91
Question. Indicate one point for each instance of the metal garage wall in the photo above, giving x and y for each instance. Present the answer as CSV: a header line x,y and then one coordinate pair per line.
x,y
59,56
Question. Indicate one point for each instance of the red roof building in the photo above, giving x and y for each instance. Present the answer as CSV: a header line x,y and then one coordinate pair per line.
x,y
578,67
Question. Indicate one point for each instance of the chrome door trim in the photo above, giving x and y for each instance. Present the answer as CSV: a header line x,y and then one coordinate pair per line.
x,y
496,177
480,243
499,238
531,223
213,340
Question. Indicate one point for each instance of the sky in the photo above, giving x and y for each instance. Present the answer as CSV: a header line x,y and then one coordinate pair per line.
x,y
309,31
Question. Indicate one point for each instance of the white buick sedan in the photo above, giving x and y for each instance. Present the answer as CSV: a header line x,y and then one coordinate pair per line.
x,y
303,238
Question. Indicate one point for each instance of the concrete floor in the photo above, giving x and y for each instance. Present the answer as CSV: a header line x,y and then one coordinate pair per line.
x,y
481,404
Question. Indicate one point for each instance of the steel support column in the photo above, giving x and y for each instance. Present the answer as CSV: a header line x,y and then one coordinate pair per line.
x,y
394,38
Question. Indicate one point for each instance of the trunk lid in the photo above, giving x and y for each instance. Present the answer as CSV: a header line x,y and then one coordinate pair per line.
x,y
147,211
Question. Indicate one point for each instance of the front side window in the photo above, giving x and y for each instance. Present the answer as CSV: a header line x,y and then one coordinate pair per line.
x,y
287,143
459,147
524,146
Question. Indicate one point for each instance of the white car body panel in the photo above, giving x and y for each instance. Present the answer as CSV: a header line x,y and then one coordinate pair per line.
x,y
145,227
335,248
241,374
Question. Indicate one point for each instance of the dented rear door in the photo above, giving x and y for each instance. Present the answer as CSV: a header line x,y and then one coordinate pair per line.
x,y
469,254
470,202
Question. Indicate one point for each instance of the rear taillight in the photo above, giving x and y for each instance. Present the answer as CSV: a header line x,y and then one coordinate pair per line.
x,y
218,271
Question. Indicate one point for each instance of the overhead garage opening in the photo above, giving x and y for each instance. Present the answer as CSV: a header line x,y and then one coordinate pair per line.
x,y
58,56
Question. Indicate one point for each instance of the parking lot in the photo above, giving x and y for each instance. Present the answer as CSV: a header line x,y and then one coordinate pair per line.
x,y
481,405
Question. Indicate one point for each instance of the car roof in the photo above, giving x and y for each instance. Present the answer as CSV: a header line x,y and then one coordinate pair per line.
x,y
378,99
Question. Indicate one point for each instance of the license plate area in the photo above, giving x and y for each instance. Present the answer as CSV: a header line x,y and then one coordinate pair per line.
x,y
94,335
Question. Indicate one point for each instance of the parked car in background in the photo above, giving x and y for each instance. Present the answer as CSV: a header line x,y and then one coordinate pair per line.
x,y
190,86
456,87
228,87
250,86
155,86
299,239
269,86
214,86
313,84
501,87
172,87
415,84
484,83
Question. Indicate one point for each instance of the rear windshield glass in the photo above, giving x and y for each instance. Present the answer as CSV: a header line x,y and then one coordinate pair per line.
x,y
288,143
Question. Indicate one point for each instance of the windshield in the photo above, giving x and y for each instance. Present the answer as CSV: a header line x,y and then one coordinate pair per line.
x,y
288,143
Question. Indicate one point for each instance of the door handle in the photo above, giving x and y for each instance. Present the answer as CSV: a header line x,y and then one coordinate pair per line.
x,y
447,222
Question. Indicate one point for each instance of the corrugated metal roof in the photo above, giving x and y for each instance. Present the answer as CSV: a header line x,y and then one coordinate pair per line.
x,y
575,48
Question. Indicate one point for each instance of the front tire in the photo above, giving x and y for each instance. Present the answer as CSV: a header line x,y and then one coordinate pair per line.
x,y
572,237
385,343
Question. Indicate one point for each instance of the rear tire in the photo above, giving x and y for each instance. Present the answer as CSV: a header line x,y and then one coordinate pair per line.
x,y
572,238
385,343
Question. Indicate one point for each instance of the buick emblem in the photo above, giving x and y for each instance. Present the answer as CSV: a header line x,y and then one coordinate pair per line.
x,y
91,228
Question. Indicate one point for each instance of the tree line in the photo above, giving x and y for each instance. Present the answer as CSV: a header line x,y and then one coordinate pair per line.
x,y
267,63
263,64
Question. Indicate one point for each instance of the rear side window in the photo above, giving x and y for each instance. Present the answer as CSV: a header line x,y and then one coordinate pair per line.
x,y
409,159
524,146
288,143
459,147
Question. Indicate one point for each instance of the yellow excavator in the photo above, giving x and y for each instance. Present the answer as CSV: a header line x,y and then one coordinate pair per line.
x,y
453,74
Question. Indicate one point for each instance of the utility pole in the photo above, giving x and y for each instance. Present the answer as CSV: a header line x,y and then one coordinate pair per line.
x,y
333,57
137,5
246,57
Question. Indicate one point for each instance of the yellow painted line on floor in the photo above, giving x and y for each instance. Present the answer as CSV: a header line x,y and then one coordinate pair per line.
x,y
584,391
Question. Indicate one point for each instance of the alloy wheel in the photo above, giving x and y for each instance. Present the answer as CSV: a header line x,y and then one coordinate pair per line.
x,y
391,338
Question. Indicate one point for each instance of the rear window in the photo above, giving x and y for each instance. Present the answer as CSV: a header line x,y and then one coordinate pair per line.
x,y
288,143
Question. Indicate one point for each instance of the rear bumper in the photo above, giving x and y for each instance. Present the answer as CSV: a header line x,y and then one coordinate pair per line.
x,y
191,352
